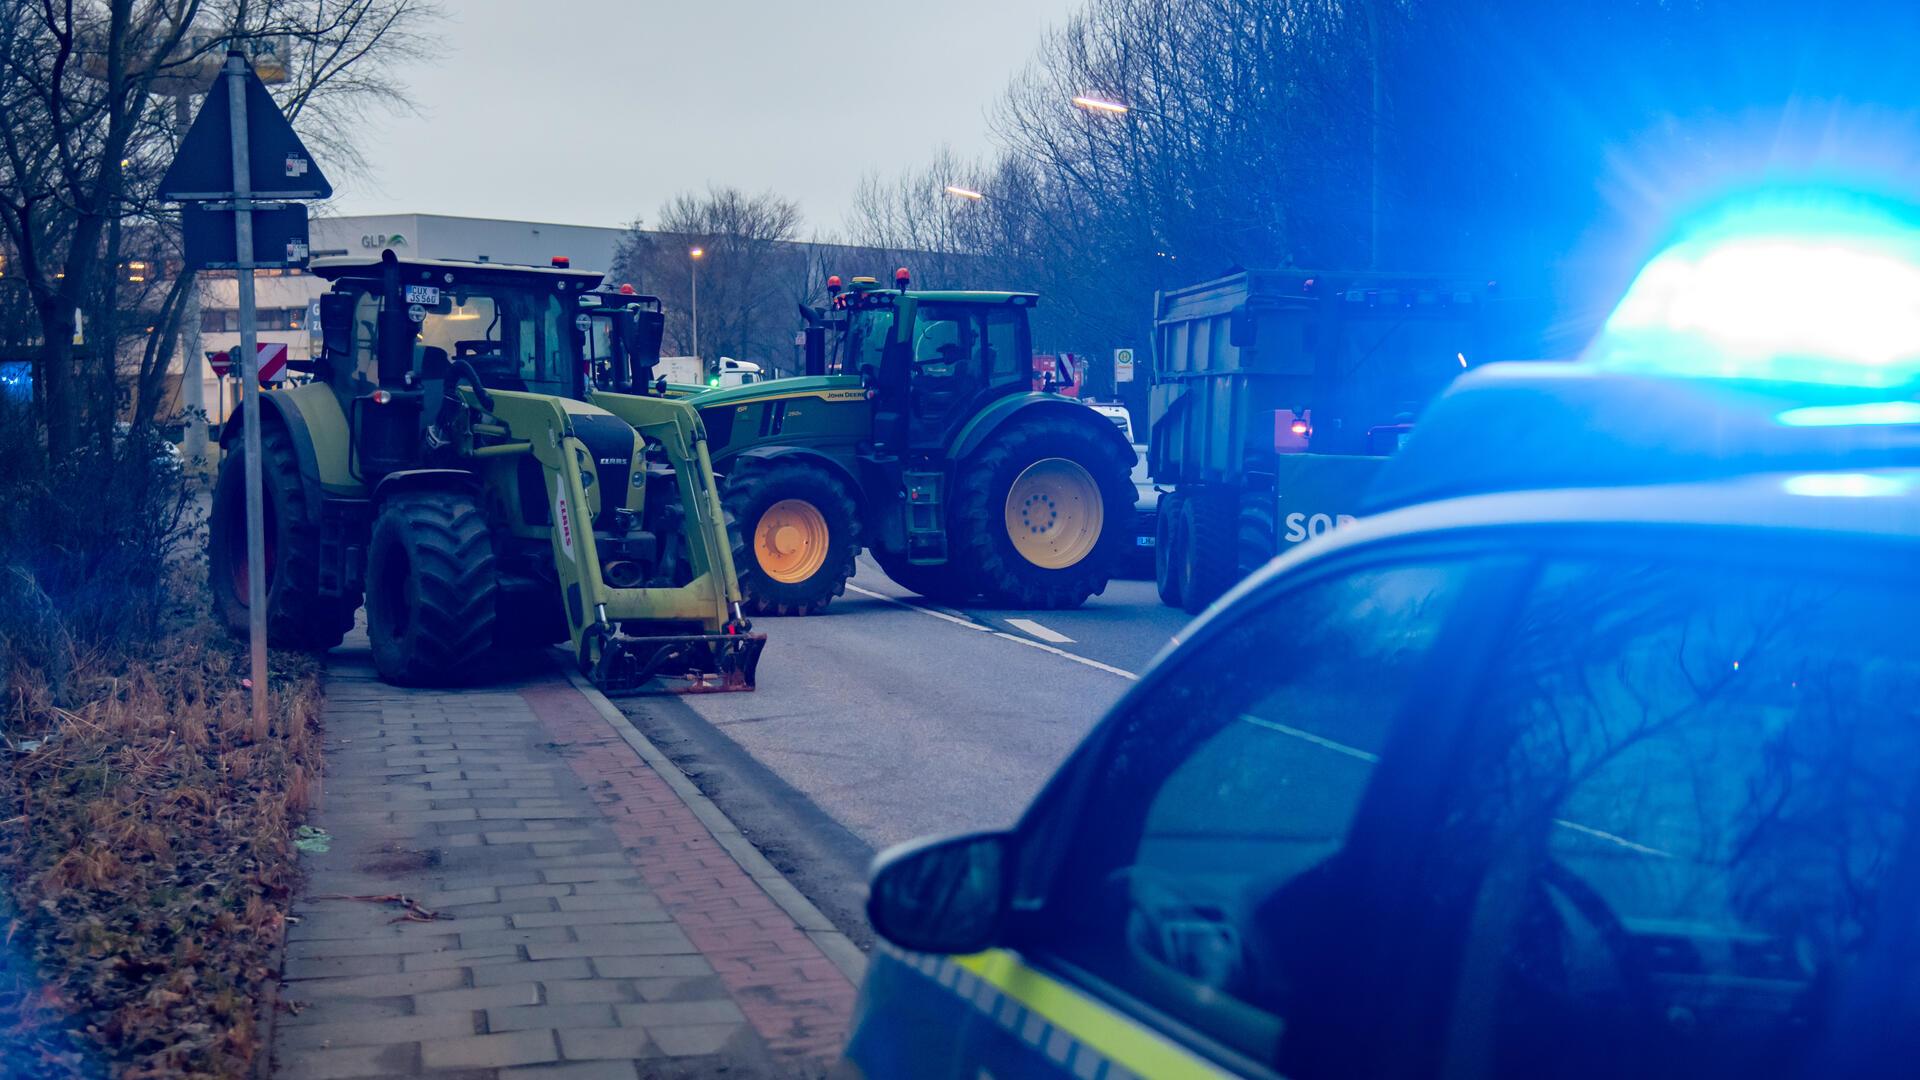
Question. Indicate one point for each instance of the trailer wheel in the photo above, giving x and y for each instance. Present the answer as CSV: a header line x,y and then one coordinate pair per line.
x,y
432,590
1041,513
1211,557
796,536
1254,540
1169,549
298,616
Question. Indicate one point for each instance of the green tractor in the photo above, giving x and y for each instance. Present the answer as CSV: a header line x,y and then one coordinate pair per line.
x,y
442,463
927,446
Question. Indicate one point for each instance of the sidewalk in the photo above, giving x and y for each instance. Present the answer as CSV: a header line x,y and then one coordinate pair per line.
x,y
580,910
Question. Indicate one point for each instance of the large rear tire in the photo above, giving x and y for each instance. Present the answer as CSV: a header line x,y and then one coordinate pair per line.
x,y
298,615
432,590
1254,540
796,536
1208,520
1043,513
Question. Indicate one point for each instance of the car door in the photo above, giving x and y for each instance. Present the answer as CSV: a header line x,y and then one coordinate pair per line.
x,y
1170,878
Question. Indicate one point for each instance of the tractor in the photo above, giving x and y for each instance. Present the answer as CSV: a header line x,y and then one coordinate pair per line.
x,y
442,461
925,445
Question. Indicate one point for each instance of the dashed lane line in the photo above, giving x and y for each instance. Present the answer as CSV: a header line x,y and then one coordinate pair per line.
x,y
1043,633
1002,634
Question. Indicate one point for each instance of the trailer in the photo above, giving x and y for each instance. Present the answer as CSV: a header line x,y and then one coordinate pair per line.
x,y
1276,396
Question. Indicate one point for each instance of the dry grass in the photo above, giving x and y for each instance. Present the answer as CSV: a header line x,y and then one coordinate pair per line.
x,y
148,844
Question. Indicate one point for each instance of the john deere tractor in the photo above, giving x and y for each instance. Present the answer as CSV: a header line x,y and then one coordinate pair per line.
x,y
927,445
442,464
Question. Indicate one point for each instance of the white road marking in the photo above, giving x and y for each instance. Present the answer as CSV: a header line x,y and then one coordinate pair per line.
x,y
1003,635
1041,632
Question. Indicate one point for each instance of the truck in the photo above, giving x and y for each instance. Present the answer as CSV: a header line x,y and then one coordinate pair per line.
x,y
1276,395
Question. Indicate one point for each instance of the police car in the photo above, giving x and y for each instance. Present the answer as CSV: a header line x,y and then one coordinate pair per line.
x,y
1593,749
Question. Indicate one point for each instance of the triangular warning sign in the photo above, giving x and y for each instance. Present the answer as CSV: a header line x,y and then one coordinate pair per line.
x,y
280,168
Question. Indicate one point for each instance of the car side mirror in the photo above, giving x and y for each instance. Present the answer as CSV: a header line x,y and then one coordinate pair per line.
x,y
945,895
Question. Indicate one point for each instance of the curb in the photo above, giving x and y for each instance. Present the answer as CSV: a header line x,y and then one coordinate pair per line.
x,y
835,945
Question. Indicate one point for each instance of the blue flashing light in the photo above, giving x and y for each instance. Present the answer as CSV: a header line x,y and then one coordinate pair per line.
x,y
1819,290
1863,414
1847,485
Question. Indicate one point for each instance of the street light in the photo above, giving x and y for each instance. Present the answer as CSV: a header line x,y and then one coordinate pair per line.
x,y
965,193
1101,105
693,270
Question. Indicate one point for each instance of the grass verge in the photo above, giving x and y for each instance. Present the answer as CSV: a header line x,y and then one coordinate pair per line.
x,y
147,844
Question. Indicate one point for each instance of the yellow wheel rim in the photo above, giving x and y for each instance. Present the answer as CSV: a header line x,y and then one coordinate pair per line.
x,y
1054,513
790,541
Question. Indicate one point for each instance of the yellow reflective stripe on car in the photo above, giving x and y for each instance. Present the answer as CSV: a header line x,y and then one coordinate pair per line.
x,y
1121,1040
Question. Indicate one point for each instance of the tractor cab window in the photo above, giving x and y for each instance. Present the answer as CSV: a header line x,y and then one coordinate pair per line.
x,y
366,357
1007,357
947,344
515,338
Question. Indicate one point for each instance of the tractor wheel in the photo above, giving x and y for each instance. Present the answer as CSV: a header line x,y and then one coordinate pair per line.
x,y
1041,514
943,583
1208,522
1254,536
298,616
796,533
432,590
1169,549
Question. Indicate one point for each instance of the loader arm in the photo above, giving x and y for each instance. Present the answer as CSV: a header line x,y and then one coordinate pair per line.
x,y
628,639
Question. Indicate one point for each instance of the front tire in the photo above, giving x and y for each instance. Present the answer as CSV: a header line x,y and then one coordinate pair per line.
x,y
432,590
298,615
798,532
1042,513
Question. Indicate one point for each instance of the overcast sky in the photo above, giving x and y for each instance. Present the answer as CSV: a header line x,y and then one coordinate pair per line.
x,y
592,112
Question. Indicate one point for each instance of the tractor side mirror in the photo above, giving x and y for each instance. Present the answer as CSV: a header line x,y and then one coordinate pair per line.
x,y
640,335
336,323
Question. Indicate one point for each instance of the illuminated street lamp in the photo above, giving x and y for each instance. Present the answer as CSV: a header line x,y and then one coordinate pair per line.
x,y
1101,105
693,270
965,193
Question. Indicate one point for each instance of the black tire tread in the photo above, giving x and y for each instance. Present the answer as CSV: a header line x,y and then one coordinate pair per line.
x,y
978,523
754,485
1212,543
450,552
298,615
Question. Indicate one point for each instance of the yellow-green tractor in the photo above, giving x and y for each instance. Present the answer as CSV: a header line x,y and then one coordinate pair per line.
x,y
447,461
926,445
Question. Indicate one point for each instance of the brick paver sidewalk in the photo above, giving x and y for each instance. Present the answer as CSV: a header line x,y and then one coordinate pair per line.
x,y
578,913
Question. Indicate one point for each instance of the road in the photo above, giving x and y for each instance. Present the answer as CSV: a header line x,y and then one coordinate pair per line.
x,y
889,717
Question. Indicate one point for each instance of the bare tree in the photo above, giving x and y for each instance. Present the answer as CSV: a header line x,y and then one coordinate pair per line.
x,y
86,138
748,268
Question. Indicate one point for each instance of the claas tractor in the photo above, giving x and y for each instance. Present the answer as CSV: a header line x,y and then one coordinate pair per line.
x,y
440,462
916,435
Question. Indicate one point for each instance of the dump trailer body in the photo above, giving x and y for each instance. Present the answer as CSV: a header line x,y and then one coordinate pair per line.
x,y
1277,394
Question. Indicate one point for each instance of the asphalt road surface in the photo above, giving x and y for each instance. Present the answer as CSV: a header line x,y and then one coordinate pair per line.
x,y
890,717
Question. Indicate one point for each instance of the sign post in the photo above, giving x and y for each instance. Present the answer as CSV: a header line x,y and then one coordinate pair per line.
x,y
236,76
240,149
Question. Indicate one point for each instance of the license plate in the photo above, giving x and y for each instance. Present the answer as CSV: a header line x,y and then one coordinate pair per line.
x,y
423,294
1143,541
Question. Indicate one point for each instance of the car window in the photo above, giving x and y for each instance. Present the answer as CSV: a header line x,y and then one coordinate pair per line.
x,y
1686,846
1231,786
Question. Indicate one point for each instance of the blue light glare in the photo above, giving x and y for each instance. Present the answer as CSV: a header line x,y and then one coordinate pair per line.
x,y
1809,291
1847,485
1863,414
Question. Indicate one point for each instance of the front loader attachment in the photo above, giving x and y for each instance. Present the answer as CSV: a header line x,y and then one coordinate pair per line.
x,y
673,664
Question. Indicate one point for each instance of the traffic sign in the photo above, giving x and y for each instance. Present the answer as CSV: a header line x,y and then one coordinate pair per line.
x,y
279,165
1122,365
220,362
279,237
273,362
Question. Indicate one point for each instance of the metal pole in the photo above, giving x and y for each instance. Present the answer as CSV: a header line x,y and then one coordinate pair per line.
x,y
693,267
193,390
249,390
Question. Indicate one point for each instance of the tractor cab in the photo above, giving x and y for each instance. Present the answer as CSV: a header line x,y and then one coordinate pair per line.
x,y
623,329
397,332
933,358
